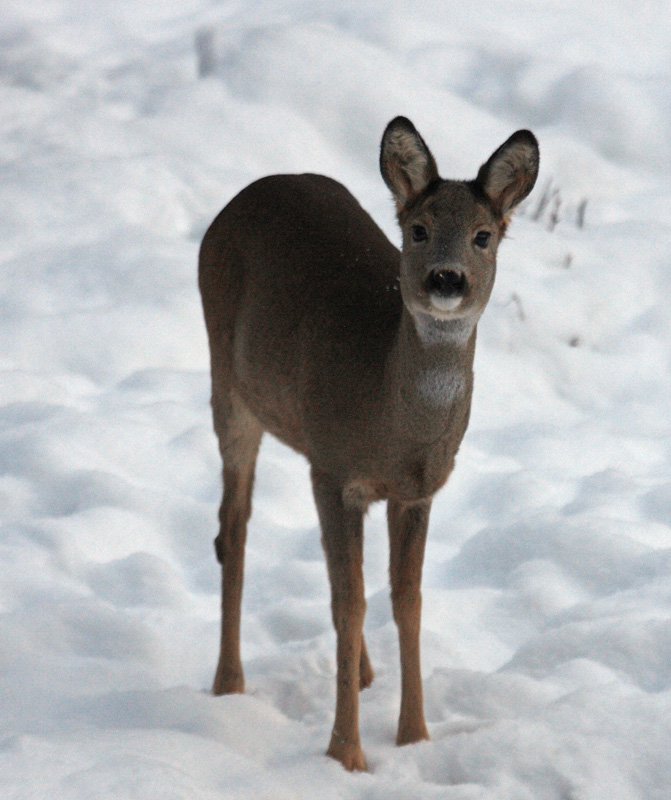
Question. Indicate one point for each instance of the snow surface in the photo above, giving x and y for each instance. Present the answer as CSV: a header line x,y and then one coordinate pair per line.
x,y
124,128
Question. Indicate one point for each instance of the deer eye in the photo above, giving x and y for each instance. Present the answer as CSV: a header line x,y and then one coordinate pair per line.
x,y
482,239
419,233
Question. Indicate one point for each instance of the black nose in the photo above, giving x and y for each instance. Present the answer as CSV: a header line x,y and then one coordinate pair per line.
x,y
446,283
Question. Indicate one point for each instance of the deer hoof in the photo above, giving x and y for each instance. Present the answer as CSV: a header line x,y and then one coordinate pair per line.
x,y
350,755
366,676
411,733
228,683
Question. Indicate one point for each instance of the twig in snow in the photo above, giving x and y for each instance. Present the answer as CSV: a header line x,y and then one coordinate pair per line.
x,y
543,201
517,302
554,214
205,51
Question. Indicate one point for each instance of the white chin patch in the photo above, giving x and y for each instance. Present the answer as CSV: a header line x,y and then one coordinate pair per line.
x,y
445,304
433,330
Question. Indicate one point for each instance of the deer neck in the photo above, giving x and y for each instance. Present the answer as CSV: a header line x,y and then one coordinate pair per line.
x,y
431,370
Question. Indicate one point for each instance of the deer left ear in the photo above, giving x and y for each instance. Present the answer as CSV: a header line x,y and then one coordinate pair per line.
x,y
510,173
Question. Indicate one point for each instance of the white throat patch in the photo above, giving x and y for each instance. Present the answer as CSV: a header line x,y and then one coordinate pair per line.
x,y
440,387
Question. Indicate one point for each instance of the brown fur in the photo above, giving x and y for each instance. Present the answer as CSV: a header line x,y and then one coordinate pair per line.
x,y
326,336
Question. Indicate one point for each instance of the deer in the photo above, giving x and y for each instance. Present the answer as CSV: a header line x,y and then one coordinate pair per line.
x,y
359,356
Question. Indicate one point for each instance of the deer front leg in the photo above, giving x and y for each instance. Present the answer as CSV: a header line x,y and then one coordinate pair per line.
x,y
342,537
408,524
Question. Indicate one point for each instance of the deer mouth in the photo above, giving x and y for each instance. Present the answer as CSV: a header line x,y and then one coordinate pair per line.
x,y
446,289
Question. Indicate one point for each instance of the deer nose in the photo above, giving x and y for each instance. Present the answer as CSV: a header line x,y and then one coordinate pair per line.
x,y
446,283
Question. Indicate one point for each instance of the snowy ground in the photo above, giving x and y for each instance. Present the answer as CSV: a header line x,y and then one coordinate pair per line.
x,y
547,633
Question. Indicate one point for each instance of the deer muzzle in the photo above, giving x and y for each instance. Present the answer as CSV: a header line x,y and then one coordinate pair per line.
x,y
446,288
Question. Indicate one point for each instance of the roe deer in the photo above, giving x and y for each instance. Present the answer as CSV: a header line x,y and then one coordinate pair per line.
x,y
360,357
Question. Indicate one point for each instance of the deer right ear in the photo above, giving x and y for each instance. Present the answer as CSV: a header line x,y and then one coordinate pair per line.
x,y
406,163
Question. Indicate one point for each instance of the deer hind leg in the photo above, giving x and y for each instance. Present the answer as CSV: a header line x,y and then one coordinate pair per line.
x,y
366,673
408,524
239,436
342,538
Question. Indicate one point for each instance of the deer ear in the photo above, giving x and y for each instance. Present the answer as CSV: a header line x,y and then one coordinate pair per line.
x,y
510,174
406,163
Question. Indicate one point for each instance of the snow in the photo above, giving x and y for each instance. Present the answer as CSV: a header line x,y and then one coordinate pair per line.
x,y
546,632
